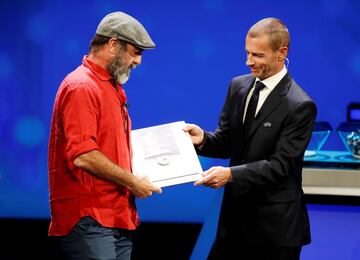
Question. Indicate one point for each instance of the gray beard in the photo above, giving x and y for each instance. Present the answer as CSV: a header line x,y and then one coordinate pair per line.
x,y
118,70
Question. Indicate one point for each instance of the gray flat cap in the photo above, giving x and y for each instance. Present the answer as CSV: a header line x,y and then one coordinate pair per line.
x,y
124,27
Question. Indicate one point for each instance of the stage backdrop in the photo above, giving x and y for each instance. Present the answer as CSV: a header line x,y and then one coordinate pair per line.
x,y
199,48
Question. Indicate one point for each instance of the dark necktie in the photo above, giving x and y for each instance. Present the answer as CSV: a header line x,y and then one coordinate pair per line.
x,y
251,109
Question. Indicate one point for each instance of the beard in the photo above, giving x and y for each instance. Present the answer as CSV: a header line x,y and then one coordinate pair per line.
x,y
118,69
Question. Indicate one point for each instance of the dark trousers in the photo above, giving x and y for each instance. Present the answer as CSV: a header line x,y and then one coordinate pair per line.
x,y
89,240
258,253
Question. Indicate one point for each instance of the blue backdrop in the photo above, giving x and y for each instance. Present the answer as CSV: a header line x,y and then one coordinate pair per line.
x,y
200,47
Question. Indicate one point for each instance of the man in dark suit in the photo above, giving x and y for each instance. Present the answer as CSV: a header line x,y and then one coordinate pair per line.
x,y
264,128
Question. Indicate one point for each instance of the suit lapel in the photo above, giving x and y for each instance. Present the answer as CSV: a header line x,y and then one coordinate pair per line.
x,y
271,103
243,93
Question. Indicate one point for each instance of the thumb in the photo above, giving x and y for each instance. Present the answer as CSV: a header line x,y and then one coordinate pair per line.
x,y
156,189
188,127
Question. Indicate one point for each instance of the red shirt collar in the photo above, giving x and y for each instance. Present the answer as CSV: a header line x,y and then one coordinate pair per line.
x,y
100,72
104,75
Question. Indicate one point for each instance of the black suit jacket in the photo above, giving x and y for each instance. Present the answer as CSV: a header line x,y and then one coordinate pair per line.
x,y
264,205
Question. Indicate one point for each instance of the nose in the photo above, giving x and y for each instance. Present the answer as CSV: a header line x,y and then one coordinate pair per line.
x,y
249,61
137,59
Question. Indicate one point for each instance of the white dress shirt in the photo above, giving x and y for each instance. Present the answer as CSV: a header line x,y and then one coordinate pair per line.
x,y
270,83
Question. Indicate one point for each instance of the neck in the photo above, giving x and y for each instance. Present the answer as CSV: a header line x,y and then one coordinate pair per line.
x,y
99,59
279,68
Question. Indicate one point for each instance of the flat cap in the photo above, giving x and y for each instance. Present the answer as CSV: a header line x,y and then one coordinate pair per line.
x,y
124,27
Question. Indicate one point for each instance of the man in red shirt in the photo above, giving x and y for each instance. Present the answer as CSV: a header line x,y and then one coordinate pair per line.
x,y
92,188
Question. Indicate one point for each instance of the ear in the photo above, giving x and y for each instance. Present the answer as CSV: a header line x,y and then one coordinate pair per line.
x,y
282,53
113,45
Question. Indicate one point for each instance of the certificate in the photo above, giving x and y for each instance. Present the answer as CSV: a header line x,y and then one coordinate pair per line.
x,y
165,154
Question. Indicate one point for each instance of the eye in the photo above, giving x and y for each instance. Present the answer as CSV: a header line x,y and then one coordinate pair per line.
x,y
138,52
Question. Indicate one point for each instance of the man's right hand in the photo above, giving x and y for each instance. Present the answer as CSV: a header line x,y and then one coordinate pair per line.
x,y
141,187
195,132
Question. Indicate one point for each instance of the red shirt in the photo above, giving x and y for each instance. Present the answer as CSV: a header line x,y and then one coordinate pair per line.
x,y
89,113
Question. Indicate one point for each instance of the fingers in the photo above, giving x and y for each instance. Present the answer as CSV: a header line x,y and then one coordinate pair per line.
x,y
192,129
215,177
142,187
149,192
156,189
188,127
207,178
199,182
142,194
208,182
208,172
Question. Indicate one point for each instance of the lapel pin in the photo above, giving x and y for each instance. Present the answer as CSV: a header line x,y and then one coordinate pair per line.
x,y
267,124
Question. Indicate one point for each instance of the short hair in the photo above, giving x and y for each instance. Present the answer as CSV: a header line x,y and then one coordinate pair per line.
x,y
98,40
276,30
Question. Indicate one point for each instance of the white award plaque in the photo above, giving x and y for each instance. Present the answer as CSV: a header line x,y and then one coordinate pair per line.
x,y
165,154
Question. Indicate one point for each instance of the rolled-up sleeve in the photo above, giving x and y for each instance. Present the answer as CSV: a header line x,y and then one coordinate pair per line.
x,y
79,112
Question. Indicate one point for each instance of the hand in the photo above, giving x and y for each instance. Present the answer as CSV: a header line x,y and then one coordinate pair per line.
x,y
195,132
215,177
142,187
